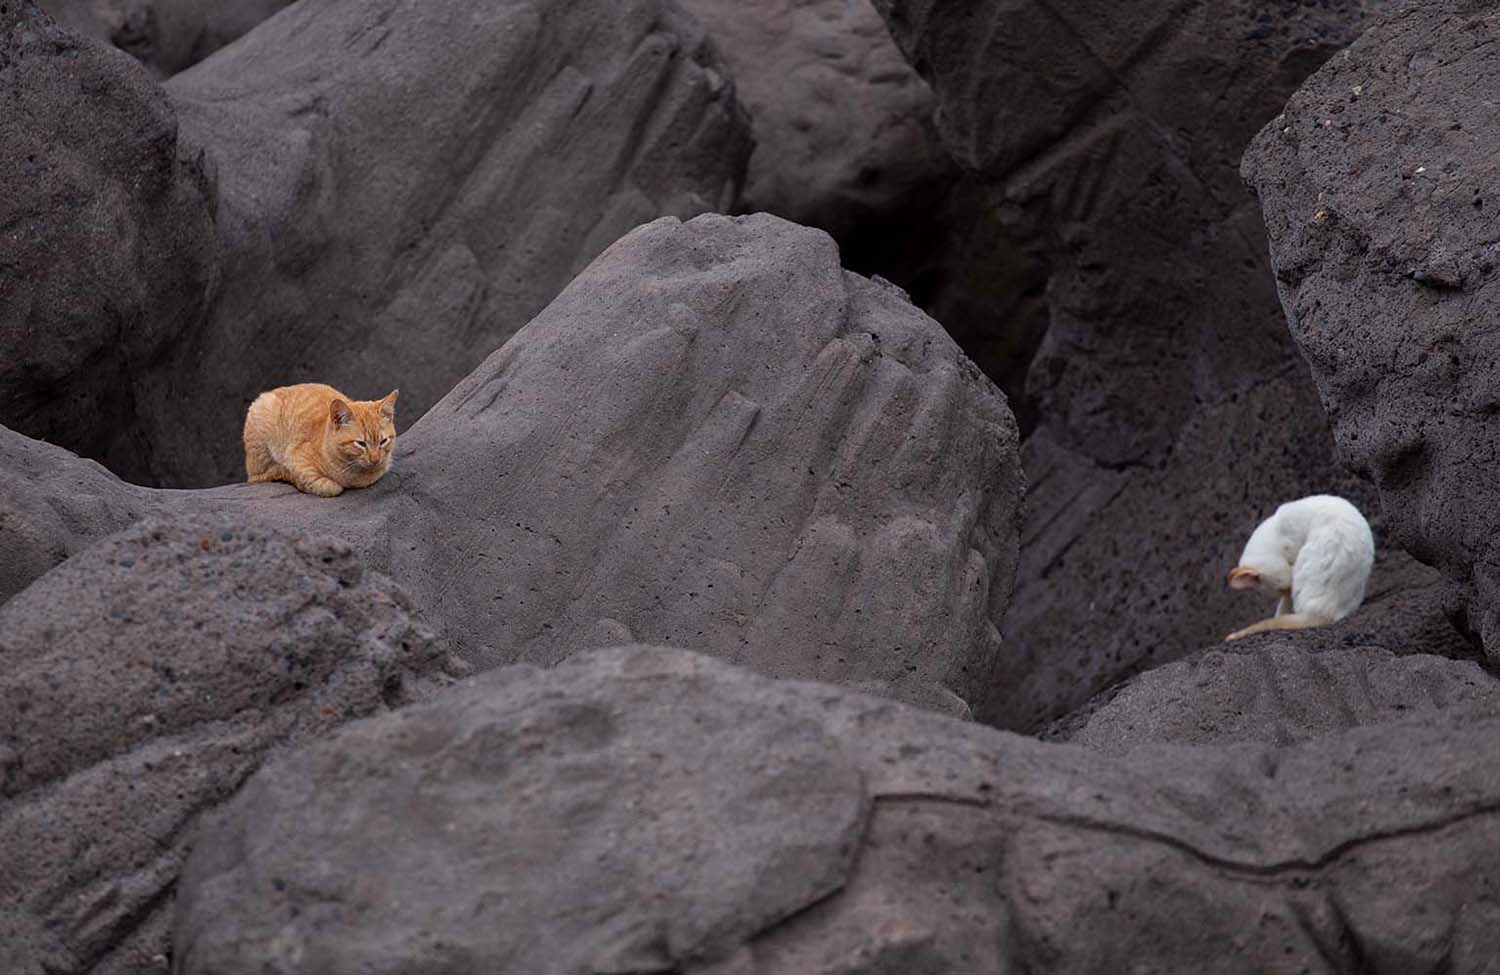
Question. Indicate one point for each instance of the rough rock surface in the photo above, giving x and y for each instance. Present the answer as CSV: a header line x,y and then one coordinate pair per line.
x,y
403,185
871,838
164,35
843,126
107,242
140,684
714,435
399,187
1377,187
1173,410
1279,691
845,141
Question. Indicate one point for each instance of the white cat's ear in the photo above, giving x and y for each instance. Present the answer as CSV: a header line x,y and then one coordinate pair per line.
x,y
388,404
1243,577
340,412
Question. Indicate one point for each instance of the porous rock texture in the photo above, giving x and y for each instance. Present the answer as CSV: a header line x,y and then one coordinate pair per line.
x,y
398,186
140,684
1277,691
1377,184
164,35
108,250
1173,410
714,435
688,816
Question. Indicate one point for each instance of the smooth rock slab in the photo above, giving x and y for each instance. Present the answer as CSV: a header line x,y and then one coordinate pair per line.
x,y
973,850
140,684
1377,188
715,434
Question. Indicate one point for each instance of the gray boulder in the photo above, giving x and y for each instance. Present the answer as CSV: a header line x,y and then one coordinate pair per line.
x,y
140,684
164,35
1278,691
397,189
843,127
403,186
715,434
1376,188
1173,410
845,142
108,252
654,810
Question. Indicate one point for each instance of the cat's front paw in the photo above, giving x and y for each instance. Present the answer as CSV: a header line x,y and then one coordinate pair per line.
x,y
323,488
1236,635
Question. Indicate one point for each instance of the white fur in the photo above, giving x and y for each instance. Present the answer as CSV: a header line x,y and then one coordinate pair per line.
x,y
1319,547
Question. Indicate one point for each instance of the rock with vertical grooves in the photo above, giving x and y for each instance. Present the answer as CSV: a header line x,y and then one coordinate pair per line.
x,y
715,434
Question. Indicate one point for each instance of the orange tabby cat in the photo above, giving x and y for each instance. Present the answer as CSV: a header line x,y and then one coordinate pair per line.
x,y
315,437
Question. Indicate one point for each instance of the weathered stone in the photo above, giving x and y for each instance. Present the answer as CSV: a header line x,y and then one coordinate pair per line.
x,y
164,35
845,141
398,188
643,809
1172,408
140,684
108,252
1376,187
1279,691
715,434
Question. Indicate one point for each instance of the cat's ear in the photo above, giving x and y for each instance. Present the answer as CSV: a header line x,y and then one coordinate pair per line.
x,y
1243,577
388,404
340,412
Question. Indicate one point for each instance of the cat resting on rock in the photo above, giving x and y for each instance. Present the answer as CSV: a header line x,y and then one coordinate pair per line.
x,y
1315,553
318,439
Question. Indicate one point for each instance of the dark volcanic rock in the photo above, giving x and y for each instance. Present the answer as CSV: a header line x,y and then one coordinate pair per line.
x,y
140,684
843,130
398,188
164,35
716,435
1173,408
845,141
1278,691
653,810
1377,186
402,186
108,251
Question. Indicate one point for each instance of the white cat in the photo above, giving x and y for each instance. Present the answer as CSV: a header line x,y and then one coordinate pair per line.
x,y
1315,553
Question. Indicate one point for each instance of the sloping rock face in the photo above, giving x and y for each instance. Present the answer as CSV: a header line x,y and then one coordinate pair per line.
x,y
843,130
1173,410
140,684
403,185
164,35
935,846
397,189
1278,692
845,142
1376,184
715,434
108,251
